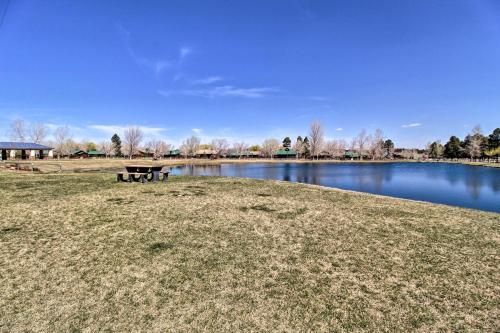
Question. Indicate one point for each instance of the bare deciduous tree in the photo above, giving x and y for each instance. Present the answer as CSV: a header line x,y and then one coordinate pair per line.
x,y
239,148
316,138
190,146
331,147
341,147
377,145
220,146
269,146
132,139
361,142
18,130
298,145
335,148
474,143
38,132
158,147
106,147
61,136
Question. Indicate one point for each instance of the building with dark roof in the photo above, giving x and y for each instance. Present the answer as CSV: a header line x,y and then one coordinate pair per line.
x,y
25,149
285,153
96,153
173,153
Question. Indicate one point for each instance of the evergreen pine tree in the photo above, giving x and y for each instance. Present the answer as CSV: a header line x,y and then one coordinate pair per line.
x,y
117,145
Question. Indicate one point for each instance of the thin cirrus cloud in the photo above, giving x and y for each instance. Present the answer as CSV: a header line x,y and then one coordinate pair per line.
x,y
111,129
197,130
223,91
411,125
338,129
156,67
184,52
207,80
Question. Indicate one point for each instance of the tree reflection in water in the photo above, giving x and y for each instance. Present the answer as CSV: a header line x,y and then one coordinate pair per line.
x,y
454,184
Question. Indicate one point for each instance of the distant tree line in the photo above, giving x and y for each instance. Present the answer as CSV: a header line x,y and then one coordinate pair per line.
x,y
475,146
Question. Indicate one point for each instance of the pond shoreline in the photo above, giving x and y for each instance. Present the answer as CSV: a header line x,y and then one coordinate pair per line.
x,y
451,184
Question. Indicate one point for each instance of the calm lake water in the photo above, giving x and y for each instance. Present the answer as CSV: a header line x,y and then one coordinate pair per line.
x,y
451,184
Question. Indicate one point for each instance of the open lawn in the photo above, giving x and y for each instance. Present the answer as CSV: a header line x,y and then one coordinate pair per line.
x,y
82,252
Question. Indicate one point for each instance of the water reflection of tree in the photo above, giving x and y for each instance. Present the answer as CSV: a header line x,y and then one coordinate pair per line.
x,y
303,173
474,178
201,170
286,172
474,185
495,184
374,174
271,171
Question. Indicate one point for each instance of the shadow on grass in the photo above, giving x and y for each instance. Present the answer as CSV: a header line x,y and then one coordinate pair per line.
x,y
9,230
119,201
159,247
260,208
293,214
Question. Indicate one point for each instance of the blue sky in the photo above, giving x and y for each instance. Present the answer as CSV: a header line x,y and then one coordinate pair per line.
x,y
248,70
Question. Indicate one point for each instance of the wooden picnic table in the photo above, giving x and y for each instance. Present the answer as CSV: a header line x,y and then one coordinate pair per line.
x,y
142,173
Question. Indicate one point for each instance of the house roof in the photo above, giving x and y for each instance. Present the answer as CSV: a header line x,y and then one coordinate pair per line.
x,y
205,152
285,152
96,152
77,152
244,153
23,146
174,152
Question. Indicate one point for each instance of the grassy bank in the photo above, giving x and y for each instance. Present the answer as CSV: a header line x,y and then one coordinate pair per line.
x,y
81,252
481,164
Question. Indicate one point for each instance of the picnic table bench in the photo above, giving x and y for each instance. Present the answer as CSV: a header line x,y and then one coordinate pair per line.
x,y
142,174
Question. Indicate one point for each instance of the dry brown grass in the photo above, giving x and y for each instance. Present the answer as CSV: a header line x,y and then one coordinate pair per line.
x,y
81,252
482,164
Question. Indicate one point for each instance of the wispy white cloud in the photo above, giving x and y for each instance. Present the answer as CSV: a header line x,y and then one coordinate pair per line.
x,y
231,91
165,93
184,52
338,129
157,66
197,130
111,129
207,80
411,125
318,98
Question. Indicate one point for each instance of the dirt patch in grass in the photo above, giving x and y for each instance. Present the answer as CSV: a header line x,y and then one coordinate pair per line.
x,y
225,254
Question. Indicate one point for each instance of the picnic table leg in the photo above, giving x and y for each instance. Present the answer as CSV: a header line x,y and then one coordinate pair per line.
x,y
155,176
